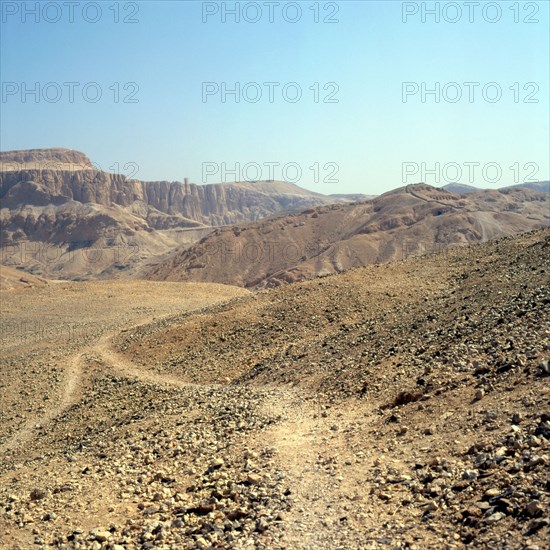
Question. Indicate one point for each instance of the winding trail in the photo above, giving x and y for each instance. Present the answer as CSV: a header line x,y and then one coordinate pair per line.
x,y
70,394
299,433
119,364
74,383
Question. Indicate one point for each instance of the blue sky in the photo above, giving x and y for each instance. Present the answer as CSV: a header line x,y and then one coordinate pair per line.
x,y
162,60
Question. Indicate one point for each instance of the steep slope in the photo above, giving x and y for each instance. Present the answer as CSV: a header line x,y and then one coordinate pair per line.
x,y
415,219
213,204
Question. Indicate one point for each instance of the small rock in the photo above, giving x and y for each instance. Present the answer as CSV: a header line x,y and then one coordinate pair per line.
x,y
217,463
534,509
470,475
177,523
534,462
490,493
494,518
38,494
101,536
261,525
253,479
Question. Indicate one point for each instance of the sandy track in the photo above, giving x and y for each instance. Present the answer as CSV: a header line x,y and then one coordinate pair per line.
x,y
54,335
299,435
119,364
74,384
70,394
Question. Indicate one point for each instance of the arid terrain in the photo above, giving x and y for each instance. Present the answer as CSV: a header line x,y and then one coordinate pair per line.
x,y
63,217
275,275
402,405
412,220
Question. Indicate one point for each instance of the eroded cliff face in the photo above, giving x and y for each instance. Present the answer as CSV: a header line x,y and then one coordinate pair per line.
x,y
213,205
51,159
81,186
57,197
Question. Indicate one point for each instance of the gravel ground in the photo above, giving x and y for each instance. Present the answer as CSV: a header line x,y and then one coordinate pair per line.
x,y
395,406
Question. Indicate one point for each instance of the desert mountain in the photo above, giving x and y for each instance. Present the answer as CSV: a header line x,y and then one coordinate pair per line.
x,y
57,180
411,220
54,203
351,197
542,186
44,159
462,188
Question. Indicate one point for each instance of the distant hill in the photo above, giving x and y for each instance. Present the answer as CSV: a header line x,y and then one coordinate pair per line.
x,y
462,189
353,197
541,186
61,217
409,221
55,200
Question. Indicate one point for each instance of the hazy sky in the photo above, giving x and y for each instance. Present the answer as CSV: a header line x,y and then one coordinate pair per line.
x,y
162,67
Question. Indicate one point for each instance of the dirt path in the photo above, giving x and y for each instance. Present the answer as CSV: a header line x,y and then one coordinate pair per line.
x,y
52,337
306,446
116,362
298,448
73,384
71,392
301,435
411,191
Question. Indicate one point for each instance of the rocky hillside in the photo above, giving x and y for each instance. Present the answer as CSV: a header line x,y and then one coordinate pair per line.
x,y
412,220
542,186
399,406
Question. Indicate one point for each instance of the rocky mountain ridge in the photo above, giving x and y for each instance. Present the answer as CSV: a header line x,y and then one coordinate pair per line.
x,y
412,220
58,158
462,188
61,217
